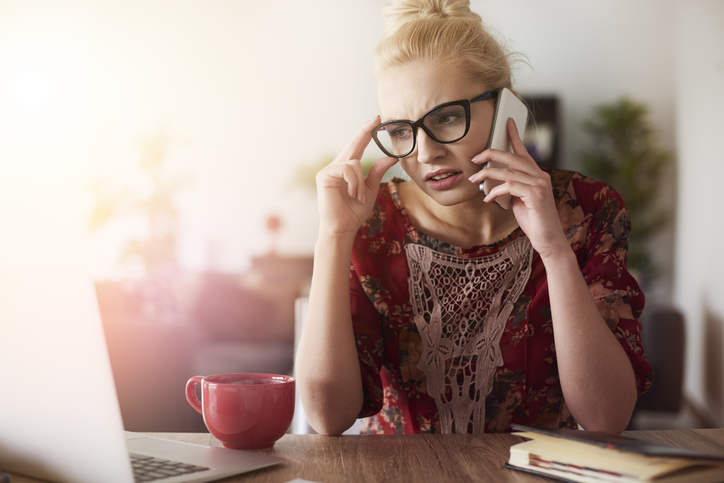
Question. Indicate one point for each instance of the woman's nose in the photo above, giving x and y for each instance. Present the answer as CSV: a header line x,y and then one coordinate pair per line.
x,y
427,148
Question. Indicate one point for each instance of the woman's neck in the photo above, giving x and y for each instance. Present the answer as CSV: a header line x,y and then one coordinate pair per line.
x,y
464,225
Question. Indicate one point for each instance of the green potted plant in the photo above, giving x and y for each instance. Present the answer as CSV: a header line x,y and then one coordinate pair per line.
x,y
626,154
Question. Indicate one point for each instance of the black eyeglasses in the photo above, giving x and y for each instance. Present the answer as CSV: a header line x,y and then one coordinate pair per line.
x,y
446,123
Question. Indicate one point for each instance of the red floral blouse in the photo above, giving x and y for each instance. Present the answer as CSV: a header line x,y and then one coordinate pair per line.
x,y
525,387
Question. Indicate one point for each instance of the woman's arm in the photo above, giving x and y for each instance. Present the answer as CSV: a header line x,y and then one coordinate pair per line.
x,y
596,375
326,364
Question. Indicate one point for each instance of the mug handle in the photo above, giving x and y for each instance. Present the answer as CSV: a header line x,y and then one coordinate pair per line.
x,y
191,393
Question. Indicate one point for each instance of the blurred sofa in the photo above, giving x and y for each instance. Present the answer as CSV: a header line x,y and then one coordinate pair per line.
x,y
210,323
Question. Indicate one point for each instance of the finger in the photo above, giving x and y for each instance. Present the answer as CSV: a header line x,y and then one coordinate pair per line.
x,y
352,178
356,147
538,181
513,161
353,174
378,170
504,166
334,175
361,191
503,174
532,190
516,141
516,190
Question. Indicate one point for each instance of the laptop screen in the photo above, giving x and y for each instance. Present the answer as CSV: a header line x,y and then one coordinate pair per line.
x,y
59,415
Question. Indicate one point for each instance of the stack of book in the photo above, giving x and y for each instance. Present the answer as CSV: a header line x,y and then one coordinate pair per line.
x,y
593,457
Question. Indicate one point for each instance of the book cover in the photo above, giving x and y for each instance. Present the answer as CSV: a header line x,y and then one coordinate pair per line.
x,y
594,457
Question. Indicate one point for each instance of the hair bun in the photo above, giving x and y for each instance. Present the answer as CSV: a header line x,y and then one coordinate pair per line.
x,y
400,12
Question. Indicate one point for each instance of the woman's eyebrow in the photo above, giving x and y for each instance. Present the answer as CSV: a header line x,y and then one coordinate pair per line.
x,y
425,111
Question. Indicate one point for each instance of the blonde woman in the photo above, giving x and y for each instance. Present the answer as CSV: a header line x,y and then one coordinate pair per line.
x,y
432,309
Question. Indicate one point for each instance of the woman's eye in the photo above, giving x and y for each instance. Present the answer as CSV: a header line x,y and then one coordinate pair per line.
x,y
450,119
401,133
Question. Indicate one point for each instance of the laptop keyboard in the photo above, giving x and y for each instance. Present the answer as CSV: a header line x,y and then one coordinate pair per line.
x,y
148,468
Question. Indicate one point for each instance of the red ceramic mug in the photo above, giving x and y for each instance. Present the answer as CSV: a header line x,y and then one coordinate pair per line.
x,y
244,411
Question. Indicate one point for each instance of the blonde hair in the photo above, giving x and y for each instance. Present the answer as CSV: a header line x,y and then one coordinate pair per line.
x,y
446,33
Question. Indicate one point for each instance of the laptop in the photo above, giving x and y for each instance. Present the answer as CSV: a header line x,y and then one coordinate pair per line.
x,y
59,415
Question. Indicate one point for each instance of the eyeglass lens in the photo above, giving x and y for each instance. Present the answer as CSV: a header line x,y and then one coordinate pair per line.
x,y
446,124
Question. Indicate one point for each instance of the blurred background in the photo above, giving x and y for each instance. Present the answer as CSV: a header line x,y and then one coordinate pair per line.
x,y
178,140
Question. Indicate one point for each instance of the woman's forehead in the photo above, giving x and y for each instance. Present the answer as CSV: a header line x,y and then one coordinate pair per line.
x,y
410,90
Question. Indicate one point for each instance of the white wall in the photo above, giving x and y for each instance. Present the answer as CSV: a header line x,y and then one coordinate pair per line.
x,y
250,91
699,286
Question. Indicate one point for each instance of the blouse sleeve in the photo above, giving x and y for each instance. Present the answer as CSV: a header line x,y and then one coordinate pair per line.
x,y
615,292
368,336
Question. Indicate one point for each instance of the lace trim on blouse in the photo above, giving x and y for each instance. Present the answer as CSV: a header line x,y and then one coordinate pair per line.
x,y
460,307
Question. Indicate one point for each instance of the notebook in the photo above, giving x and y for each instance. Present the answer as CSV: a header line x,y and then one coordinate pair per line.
x,y
59,414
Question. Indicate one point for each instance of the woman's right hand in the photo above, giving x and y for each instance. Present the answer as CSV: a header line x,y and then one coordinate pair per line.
x,y
326,364
345,196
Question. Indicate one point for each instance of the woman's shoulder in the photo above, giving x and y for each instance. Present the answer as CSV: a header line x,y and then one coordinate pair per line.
x,y
576,189
388,218
589,209
381,239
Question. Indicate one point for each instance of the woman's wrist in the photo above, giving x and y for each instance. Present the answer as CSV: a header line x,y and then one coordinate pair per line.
x,y
331,248
334,238
562,257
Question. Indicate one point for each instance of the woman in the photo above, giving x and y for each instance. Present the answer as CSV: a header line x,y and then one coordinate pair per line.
x,y
456,315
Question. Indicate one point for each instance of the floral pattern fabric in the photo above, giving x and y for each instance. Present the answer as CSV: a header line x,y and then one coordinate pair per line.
x,y
526,388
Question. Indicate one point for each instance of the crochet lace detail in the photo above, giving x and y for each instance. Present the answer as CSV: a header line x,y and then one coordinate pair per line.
x,y
460,307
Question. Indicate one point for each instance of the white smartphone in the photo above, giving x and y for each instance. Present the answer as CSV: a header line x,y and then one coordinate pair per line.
x,y
507,106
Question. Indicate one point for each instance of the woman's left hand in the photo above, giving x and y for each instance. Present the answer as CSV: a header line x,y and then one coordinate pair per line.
x,y
532,204
596,377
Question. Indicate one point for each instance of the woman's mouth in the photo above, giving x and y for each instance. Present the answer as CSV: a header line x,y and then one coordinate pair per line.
x,y
442,176
442,179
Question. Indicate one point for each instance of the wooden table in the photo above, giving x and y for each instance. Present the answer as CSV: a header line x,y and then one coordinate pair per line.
x,y
413,458
419,458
